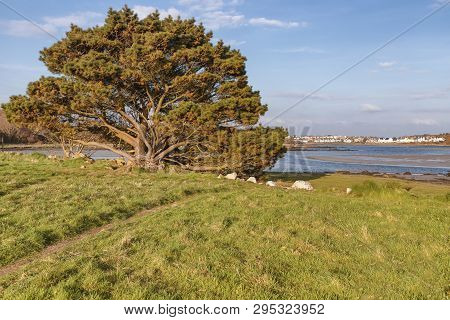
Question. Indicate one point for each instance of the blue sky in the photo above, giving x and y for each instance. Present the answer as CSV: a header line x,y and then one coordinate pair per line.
x,y
292,48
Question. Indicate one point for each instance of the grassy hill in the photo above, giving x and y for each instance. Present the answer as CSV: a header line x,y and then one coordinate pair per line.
x,y
96,233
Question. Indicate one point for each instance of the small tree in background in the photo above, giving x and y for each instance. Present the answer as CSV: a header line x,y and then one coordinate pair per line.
x,y
155,91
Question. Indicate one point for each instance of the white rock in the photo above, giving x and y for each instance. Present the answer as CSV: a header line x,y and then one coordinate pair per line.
x,y
252,180
349,190
303,185
220,176
231,176
271,184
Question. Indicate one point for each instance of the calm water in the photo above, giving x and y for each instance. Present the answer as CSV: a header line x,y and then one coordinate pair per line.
x,y
385,159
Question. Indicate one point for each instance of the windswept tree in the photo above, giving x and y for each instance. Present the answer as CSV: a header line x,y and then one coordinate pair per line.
x,y
155,91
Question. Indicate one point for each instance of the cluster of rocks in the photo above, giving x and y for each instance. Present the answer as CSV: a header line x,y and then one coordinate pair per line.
x,y
300,185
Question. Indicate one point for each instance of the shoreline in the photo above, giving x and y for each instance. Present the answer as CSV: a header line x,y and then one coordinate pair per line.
x,y
429,178
390,161
330,145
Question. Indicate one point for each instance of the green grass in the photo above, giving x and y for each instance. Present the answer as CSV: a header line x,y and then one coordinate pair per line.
x,y
224,240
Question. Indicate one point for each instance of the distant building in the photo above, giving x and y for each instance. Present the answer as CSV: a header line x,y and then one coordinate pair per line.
x,y
368,140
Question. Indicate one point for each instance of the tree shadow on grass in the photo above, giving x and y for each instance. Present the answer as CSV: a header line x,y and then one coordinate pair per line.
x,y
21,185
292,176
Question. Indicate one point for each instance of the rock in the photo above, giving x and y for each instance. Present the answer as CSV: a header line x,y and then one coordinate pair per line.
x,y
121,162
349,190
303,185
231,176
271,184
83,167
220,176
252,180
407,174
52,157
239,179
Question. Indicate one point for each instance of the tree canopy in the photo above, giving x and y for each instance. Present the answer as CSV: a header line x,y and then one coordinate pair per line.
x,y
155,91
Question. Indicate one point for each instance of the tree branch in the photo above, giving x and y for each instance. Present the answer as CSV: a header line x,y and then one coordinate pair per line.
x,y
164,153
119,133
105,146
138,127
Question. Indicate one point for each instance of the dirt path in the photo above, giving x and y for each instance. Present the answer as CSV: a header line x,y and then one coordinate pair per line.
x,y
61,245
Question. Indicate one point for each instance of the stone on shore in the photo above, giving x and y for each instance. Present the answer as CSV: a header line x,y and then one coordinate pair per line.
x,y
349,190
271,184
121,162
303,185
220,176
252,180
231,176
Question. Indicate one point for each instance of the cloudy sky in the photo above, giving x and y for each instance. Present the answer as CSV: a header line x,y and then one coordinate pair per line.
x,y
293,47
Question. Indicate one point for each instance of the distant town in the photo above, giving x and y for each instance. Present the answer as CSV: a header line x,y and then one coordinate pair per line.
x,y
417,139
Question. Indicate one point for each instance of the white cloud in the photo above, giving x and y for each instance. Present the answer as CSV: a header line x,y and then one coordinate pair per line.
x,y
234,43
276,23
367,107
82,19
439,3
144,11
424,122
24,28
300,50
204,5
218,19
52,25
214,14
387,64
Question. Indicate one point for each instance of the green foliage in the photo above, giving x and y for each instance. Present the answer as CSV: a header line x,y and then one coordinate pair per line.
x,y
156,91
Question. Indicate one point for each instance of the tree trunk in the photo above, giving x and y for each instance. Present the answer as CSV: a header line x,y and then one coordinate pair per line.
x,y
144,158
139,152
